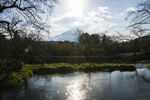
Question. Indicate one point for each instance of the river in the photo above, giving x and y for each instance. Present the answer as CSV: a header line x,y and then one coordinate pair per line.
x,y
85,86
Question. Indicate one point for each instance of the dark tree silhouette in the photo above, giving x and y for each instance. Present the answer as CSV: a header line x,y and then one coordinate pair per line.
x,y
140,21
30,11
140,18
21,23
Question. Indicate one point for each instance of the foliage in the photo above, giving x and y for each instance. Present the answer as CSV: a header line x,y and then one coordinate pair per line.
x,y
14,79
21,23
106,50
9,65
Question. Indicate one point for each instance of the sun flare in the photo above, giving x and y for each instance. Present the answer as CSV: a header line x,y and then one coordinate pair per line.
x,y
76,90
76,7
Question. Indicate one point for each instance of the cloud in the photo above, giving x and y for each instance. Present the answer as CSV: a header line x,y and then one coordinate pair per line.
x,y
103,10
94,21
131,9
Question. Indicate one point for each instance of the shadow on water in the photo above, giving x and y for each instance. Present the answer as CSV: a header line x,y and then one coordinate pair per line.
x,y
85,86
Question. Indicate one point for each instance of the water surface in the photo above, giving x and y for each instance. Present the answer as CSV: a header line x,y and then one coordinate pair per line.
x,y
85,86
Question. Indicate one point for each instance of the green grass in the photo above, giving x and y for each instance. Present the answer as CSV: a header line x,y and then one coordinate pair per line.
x,y
51,68
148,66
13,79
65,67
17,78
106,67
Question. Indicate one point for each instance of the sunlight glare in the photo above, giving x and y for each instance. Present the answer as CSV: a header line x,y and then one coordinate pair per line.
x,y
76,90
76,7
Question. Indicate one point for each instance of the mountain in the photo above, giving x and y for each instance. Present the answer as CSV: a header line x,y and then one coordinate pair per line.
x,y
70,35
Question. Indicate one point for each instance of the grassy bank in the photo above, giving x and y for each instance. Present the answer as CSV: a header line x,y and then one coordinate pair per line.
x,y
51,68
13,79
86,67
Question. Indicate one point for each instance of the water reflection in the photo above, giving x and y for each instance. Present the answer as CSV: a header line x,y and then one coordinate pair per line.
x,y
85,86
76,90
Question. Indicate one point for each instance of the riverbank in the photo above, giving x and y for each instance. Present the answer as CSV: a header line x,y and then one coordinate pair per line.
x,y
85,67
13,79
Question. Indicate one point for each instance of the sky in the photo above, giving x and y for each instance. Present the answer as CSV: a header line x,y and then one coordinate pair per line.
x,y
92,16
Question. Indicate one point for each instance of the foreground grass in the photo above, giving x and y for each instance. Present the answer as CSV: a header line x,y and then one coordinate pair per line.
x,y
13,79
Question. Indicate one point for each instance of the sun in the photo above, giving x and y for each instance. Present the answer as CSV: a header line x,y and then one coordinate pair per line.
x,y
76,7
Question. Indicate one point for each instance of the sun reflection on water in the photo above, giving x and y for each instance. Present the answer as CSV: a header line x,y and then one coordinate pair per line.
x,y
77,90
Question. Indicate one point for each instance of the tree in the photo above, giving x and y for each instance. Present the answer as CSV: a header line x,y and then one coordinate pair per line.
x,y
140,18
145,45
21,22
133,38
3,42
86,38
89,43
95,39
30,11
105,40
139,26
2,37
106,43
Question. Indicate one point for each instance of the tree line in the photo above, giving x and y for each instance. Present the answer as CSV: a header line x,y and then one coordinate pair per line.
x,y
94,45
